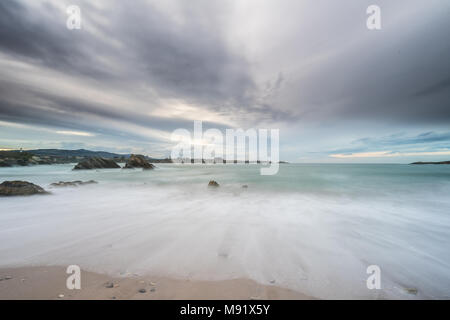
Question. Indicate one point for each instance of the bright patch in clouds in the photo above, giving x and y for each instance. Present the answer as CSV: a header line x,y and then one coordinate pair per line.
x,y
382,154
76,133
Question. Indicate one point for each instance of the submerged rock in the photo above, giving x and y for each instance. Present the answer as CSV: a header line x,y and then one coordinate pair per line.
x,y
20,188
138,161
213,184
245,186
72,183
96,163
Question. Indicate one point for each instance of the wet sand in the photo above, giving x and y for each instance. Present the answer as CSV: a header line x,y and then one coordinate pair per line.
x,y
50,283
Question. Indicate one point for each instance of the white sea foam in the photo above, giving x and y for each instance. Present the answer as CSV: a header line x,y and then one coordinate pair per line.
x,y
313,230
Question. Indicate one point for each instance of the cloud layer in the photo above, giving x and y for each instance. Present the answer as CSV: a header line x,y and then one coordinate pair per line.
x,y
138,70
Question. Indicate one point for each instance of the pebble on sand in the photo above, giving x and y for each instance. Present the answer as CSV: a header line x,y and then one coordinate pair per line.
x,y
411,290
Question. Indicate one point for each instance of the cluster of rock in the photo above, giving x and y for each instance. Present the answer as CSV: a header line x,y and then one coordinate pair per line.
x,y
25,188
134,161
138,161
96,163
72,183
20,188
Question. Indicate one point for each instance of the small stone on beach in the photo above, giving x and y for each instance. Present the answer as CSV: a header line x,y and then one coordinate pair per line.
x,y
411,290
109,285
142,291
152,289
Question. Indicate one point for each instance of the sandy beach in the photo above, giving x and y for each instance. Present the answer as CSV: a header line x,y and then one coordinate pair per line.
x,y
49,282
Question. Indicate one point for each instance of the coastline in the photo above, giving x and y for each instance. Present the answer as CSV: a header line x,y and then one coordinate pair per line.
x,y
49,283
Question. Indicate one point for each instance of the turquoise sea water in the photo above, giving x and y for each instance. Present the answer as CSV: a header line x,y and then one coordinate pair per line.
x,y
313,228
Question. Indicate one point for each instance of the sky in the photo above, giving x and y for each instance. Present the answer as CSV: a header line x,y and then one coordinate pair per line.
x,y
138,70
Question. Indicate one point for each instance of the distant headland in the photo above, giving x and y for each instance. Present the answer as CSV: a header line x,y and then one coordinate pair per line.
x,y
431,162
57,156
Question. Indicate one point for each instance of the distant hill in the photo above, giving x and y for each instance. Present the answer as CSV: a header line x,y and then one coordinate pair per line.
x,y
52,156
76,153
439,162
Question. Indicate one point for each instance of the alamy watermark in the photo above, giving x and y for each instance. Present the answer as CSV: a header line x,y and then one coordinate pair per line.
x,y
374,20
74,19
249,146
374,280
74,280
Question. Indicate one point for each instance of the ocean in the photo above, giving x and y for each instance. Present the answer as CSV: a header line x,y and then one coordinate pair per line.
x,y
314,228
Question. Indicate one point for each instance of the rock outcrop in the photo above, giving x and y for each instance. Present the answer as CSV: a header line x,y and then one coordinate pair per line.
x,y
213,184
138,161
96,163
20,188
72,183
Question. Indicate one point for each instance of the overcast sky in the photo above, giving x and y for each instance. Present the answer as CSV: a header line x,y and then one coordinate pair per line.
x,y
137,70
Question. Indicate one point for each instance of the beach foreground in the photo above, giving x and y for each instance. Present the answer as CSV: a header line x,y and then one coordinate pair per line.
x,y
49,282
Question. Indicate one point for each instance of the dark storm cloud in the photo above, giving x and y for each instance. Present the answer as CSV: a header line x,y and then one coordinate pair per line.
x,y
188,60
441,86
26,33
399,74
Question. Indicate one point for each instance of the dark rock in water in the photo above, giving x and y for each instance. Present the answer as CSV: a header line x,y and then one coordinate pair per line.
x,y
138,161
72,183
96,163
213,184
245,186
20,188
